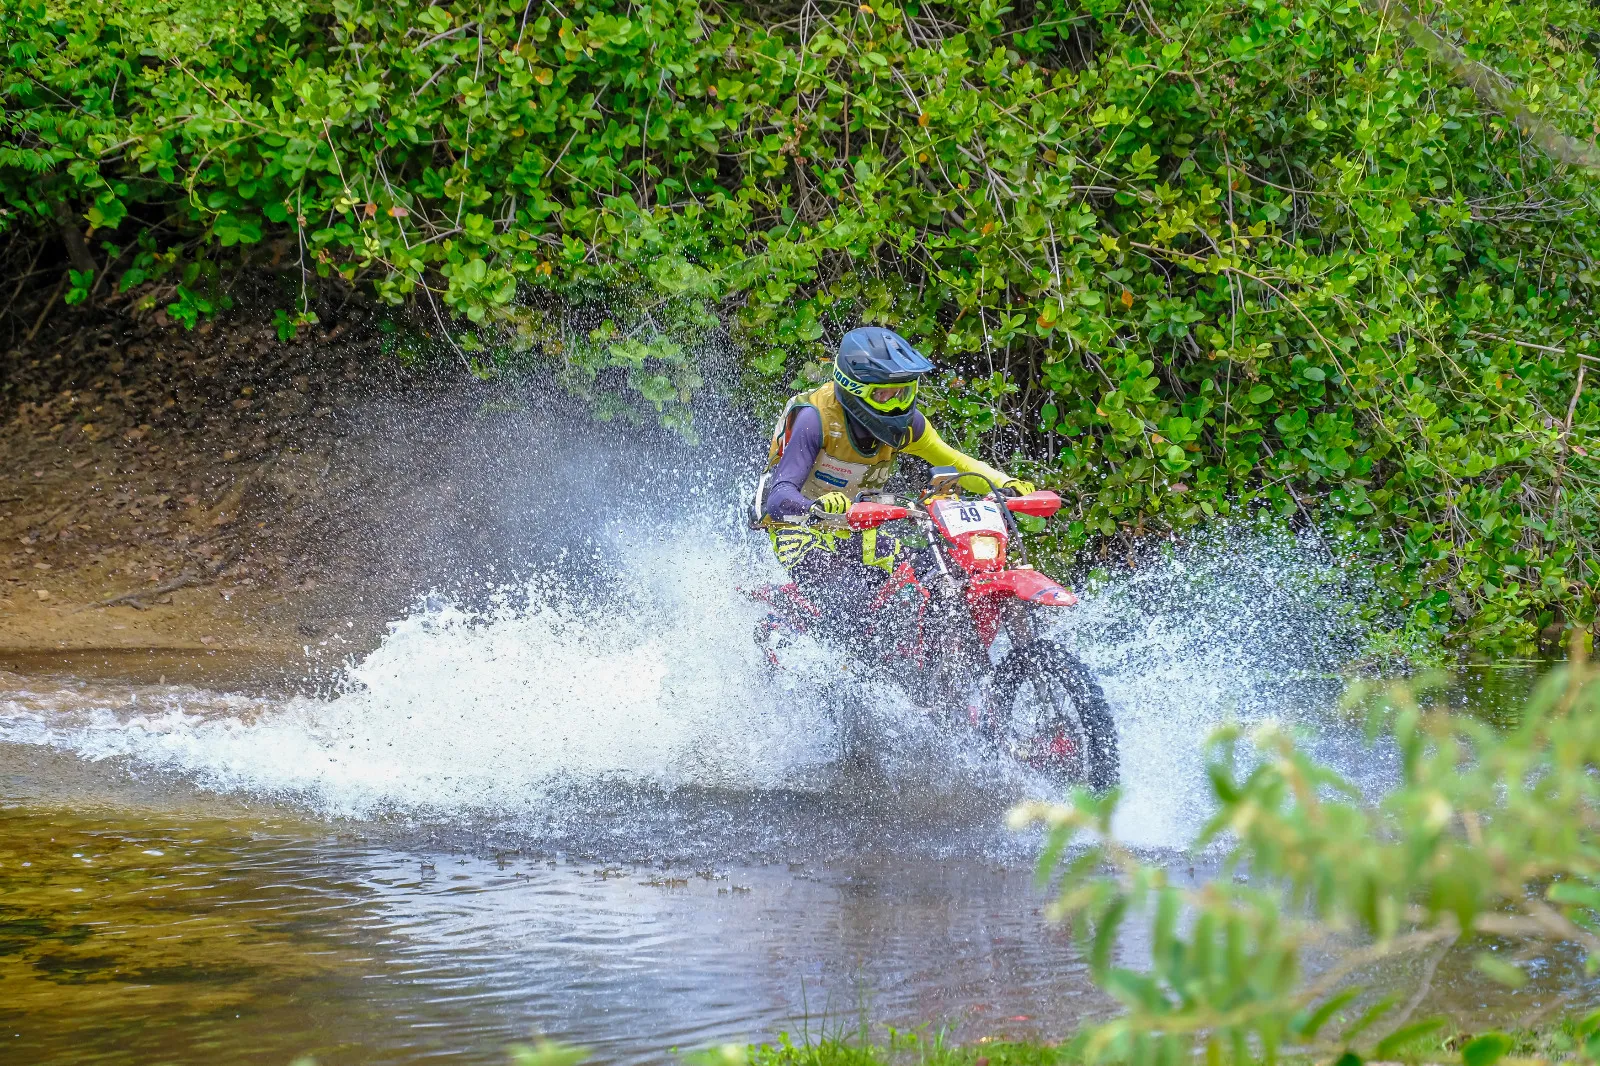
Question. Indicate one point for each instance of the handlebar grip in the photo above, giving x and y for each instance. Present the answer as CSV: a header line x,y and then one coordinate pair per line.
x,y
819,515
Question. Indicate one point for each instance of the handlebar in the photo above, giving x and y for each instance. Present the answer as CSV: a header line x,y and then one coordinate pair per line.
x,y
868,513
820,514
865,514
994,490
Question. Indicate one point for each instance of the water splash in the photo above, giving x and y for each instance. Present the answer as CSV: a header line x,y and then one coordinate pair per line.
x,y
1242,623
634,691
657,682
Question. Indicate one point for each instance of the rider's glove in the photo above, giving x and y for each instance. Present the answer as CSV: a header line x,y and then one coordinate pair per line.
x,y
833,503
1019,486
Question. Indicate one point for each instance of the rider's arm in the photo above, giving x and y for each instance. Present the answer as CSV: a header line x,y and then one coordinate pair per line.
x,y
926,444
805,441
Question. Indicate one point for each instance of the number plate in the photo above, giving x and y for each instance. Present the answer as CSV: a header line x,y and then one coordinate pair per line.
x,y
970,516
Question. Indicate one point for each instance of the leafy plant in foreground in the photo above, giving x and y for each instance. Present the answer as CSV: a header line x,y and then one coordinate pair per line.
x,y
1490,839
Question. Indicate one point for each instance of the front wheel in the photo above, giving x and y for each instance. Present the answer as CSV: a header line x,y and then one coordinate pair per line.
x,y
1055,716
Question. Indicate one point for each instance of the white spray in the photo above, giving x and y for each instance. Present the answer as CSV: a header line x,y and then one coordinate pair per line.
x,y
498,711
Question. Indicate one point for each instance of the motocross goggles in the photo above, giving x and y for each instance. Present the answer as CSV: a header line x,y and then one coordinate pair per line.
x,y
893,398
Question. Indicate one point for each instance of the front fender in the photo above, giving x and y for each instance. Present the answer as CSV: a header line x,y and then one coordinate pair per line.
x,y
1028,585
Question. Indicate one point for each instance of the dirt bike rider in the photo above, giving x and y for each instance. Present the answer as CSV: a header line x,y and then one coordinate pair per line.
x,y
841,440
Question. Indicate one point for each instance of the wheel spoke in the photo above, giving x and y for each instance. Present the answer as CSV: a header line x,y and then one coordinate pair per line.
x,y
1057,718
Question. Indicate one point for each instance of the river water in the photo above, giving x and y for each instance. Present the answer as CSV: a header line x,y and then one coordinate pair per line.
x,y
593,813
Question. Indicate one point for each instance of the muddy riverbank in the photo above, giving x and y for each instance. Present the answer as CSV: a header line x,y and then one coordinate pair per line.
x,y
149,482
223,491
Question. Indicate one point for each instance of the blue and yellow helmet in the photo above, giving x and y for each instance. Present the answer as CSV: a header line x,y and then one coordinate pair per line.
x,y
875,378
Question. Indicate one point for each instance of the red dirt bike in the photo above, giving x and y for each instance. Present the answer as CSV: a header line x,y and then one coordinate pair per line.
x,y
933,624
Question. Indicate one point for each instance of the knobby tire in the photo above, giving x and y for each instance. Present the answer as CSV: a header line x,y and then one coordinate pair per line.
x,y
1045,663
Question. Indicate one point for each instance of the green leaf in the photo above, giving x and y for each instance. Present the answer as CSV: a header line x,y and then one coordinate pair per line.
x,y
1370,1016
1105,936
107,212
1486,1050
1406,1035
232,229
1313,1024
547,1053
78,286
1574,893
1499,970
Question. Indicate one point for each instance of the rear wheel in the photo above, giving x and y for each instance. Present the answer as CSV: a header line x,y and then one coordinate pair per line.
x,y
1053,715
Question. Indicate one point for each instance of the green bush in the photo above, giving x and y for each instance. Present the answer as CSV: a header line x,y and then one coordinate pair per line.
x,y
1190,259
1487,844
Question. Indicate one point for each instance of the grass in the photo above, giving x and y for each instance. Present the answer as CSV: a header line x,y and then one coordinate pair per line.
x,y
904,1049
1559,1040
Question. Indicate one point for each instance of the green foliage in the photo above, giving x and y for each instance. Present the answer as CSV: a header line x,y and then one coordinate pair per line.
x,y
1197,259
1491,840
897,1048
547,1053
1485,1050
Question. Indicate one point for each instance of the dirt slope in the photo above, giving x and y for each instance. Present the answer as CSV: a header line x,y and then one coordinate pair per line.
x,y
149,479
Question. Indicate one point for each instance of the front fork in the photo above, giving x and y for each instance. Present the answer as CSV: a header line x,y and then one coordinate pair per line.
x,y
956,674
969,655
1020,625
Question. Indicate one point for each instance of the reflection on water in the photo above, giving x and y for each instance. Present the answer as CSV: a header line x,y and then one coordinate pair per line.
x,y
195,939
